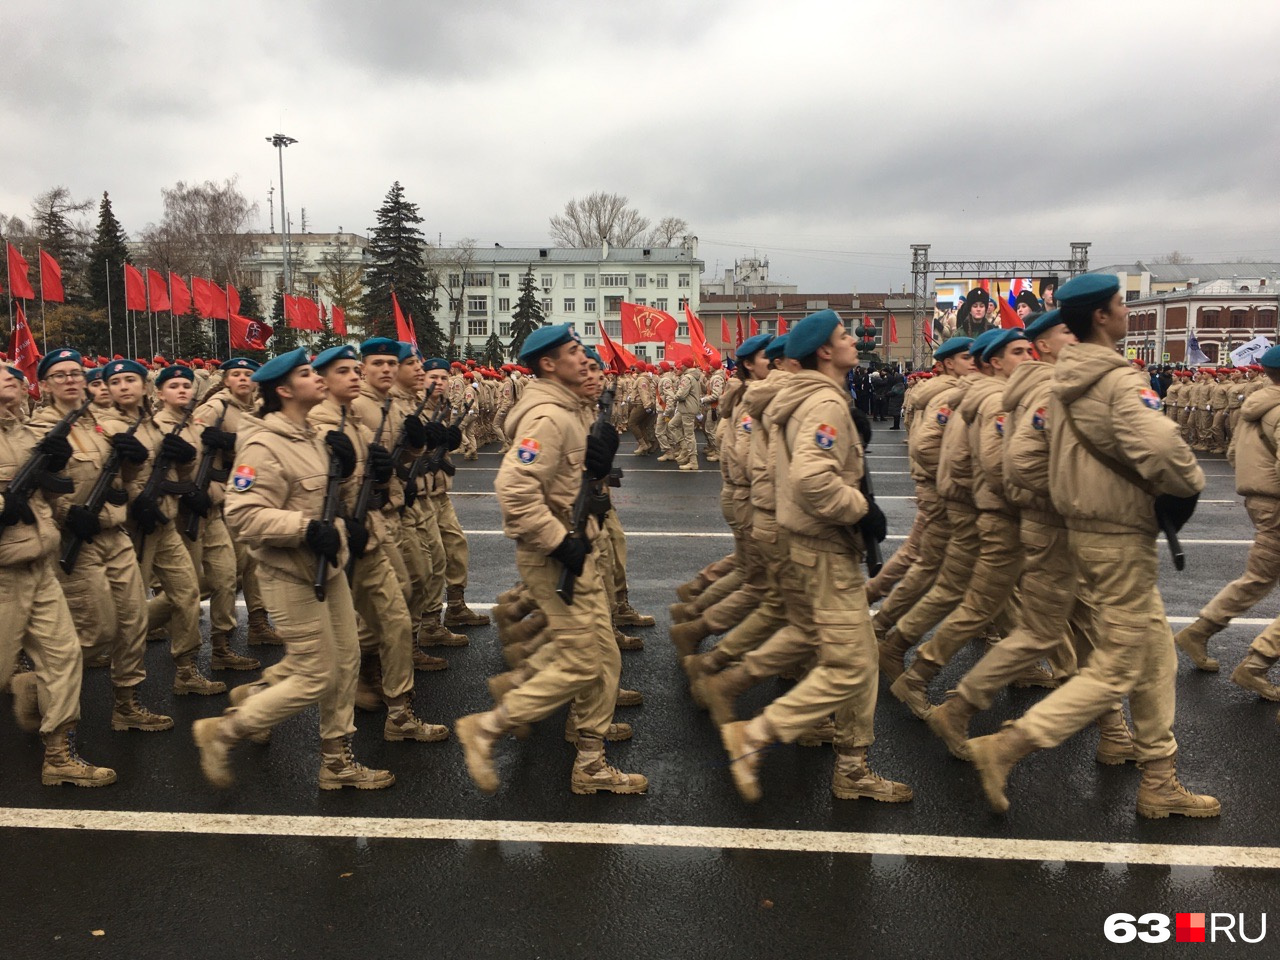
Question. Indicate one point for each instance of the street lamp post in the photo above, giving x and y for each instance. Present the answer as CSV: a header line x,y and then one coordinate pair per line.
x,y
280,141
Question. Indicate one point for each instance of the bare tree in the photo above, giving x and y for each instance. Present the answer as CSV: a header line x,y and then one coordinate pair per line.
x,y
342,280
667,232
203,230
450,269
1174,256
13,227
59,223
597,217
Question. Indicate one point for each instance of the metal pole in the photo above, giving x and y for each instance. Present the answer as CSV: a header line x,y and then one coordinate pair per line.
x,y
111,334
44,330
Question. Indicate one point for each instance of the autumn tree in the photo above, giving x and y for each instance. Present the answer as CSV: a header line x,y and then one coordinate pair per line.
x,y
396,249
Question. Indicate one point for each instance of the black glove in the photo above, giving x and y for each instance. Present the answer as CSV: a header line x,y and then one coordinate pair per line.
x,y
599,461
198,502
57,450
343,449
863,424
357,538
415,432
452,437
16,510
147,515
874,524
177,450
380,464
435,433
83,523
324,540
609,434
215,439
129,448
1176,511
572,552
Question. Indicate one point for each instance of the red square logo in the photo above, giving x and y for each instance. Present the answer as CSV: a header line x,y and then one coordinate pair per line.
x,y
1190,928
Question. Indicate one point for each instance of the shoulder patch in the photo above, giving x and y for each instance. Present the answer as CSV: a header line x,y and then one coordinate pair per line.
x,y
1039,419
528,450
944,414
243,478
1000,424
746,422
1150,398
825,436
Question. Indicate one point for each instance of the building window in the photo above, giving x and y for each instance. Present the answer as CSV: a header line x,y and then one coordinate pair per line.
x,y
477,328
589,304
661,304
682,330
455,279
662,281
641,302
504,304
546,281
568,280
504,280
612,304
570,304
684,302
613,279
589,330
479,279
613,328
477,306
641,280
504,329
588,279
546,306
684,280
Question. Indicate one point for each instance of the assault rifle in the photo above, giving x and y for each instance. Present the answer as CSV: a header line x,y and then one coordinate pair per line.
x,y
204,473
364,499
329,514
102,493
583,506
156,483
35,474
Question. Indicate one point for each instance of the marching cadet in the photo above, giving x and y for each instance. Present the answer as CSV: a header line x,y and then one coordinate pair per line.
x,y
97,389
1219,401
33,610
1117,470
711,412
276,503
819,461
641,414
667,427
537,485
688,397
1253,454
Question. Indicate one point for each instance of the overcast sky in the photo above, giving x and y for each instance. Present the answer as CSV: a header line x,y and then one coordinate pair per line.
x,y
828,136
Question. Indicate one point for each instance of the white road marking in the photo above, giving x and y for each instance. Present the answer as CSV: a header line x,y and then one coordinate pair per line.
x,y
646,835
1236,622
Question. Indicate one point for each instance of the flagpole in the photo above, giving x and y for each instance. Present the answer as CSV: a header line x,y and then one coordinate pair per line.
x,y
226,292
9,299
44,329
111,334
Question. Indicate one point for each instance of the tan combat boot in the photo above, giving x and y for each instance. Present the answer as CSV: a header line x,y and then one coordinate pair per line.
x,y
720,691
224,658
629,698
339,768
744,746
238,695
893,649
369,684
63,765
524,630
424,661
1252,675
128,713
681,612
625,642
26,701
503,683
616,733
477,733
1115,740
1193,640
260,630
215,738
686,636
912,688
435,634
514,594
458,614
627,616
697,668
403,724
853,779
950,723
592,773
512,612
1160,794
688,592
994,757
188,679
822,732
690,467
1036,676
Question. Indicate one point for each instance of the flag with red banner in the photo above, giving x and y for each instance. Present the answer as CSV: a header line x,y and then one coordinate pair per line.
x,y
738,332
724,330
19,282
709,356
782,325
51,279
928,330
135,289
1009,318
248,334
210,299
233,299
179,296
644,324
753,325
23,350
324,313
339,321
404,328
310,312
617,358
675,353
893,329
158,289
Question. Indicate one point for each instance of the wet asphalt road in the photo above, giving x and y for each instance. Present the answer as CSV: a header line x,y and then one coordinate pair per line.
x,y
201,895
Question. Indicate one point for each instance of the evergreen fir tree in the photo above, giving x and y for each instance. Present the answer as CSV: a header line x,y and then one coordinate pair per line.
x,y
470,352
285,337
107,255
494,353
528,316
396,245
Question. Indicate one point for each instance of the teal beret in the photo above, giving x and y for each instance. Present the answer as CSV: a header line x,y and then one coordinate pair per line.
x,y
123,366
592,355
1088,290
407,352
952,347
804,339
752,345
544,339
241,363
981,341
277,368
1001,340
1039,324
777,347
435,363
1270,359
326,357
168,373
383,346
92,374
18,373
58,356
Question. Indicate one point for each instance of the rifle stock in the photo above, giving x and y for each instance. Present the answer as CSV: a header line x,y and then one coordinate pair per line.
x,y
34,474
97,498
159,467
332,493
365,497
203,472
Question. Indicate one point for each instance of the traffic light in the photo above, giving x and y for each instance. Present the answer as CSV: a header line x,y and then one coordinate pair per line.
x,y
866,335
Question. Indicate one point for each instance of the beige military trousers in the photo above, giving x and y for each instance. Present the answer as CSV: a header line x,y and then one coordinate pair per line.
x,y
770,613
896,567
935,538
385,627
793,645
34,616
457,552
109,604
949,588
1261,565
166,561
214,560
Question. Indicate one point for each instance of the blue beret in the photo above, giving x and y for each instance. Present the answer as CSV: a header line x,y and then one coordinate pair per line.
x,y
169,372
16,372
752,345
592,355
952,347
777,347
981,341
123,366
277,368
1270,359
326,357
809,334
1001,340
380,346
93,374
1088,289
407,351
435,363
58,356
1039,324
544,339
241,363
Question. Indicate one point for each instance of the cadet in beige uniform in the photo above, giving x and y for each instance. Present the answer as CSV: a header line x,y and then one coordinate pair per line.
x,y
1114,461
688,396
275,502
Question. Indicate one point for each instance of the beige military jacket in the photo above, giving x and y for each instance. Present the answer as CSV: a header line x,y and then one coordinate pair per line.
x,y
935,402
983,411
1255,445
325,417
236,417
90,440
1025,469
22,543
760,465
667,393
955,460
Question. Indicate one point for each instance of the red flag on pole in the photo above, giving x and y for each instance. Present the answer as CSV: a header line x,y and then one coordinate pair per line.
x,y
19,282
324,314
233,299
724,330
1009,318
753,325
782,325
207,295
310,313
291,317
642,324
23,350
404,329
339,321
158,289
179,296
928,330
135,289
51,279
893,329
708,356
676,353
738,332
247,334
618,358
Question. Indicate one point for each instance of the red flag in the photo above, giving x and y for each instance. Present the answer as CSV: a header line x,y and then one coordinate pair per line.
x,y
210,299
782,325
928,330
50,279
642,324
739,332
19,283
23,350
310,312
404,328
158,289
752,325
291,317
618,358
1009,318
324,314
893,329
233,299
247,334
724,329
708,356
676,353
179,296
339,321
135,289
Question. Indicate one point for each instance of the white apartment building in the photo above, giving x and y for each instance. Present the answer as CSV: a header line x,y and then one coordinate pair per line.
x,y
309,252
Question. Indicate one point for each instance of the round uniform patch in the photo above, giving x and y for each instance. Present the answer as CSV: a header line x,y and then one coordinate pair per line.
x,y
528,450
243,478
1000,424
1038,420
1150,399
944,414
825,436
746,422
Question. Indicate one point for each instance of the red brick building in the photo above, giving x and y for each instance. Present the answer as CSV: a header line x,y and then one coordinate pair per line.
x,y
1222,313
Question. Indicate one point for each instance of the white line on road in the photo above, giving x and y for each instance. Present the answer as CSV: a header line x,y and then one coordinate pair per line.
x,y
646,835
